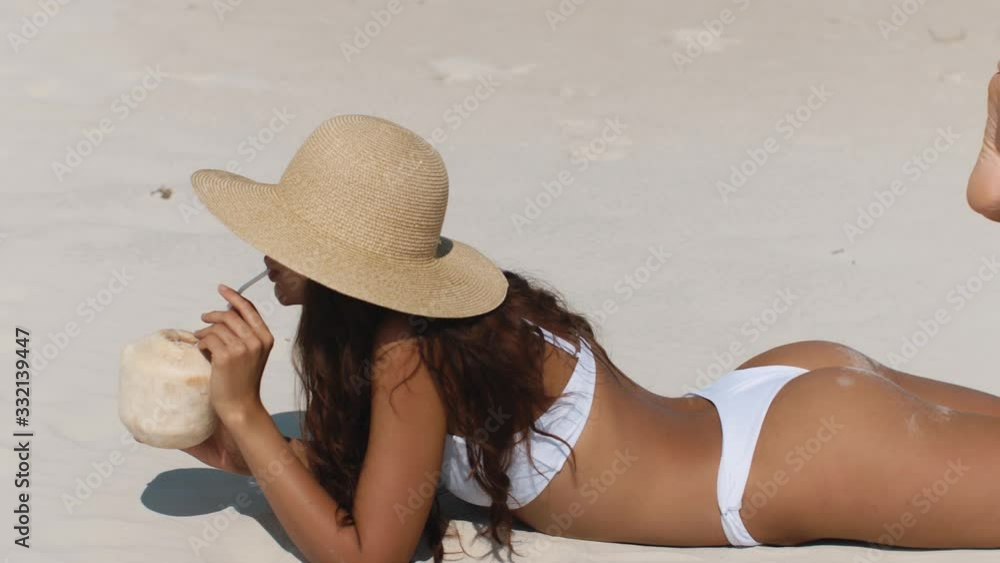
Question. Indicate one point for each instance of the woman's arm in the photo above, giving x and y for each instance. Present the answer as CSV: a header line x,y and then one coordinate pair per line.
x,y
405,444
405,447
221,452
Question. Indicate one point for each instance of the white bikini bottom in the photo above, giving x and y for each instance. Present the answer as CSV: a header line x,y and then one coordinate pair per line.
x,y
742,398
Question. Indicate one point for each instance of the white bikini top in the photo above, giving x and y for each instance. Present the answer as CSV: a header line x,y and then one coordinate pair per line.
x,y
566,418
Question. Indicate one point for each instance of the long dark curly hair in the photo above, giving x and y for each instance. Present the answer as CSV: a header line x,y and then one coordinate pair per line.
x,y
483,364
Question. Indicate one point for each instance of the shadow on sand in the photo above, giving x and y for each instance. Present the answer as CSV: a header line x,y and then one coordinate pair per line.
x,y
202,491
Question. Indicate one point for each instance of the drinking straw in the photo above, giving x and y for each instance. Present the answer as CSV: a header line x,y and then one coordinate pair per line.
x,y
246,286
252,281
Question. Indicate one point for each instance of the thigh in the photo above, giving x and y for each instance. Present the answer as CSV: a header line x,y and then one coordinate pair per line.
x,y
817,354
850,455
946,394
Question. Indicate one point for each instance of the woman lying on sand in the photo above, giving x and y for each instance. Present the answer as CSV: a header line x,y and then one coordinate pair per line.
x,y
425,364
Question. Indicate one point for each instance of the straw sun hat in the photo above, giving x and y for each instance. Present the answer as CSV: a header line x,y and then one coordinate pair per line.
x,y
359,209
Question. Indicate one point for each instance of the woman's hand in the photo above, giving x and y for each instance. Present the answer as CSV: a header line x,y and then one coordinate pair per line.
x,y
237,343
220,451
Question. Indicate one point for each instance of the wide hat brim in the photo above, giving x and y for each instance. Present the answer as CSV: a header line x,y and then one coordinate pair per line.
x,y
458,282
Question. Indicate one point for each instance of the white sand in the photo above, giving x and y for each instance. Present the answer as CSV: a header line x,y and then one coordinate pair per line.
x,y
653,185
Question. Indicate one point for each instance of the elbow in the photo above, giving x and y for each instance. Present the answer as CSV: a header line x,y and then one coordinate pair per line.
x,y
991,212
357,552
382,554
360,557
984,198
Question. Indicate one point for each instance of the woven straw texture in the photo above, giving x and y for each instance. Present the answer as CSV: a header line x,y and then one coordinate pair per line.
x,y
359,209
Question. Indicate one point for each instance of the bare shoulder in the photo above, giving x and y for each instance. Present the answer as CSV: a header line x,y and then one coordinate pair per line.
x,y
395,351
403,388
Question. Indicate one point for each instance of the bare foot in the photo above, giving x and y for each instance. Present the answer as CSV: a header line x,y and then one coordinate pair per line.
x,y
984,185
